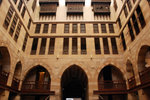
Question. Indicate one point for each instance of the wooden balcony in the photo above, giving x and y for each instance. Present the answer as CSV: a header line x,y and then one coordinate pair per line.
x,y
75,1
15,83
47,12
48,9
132,82
145,76
49,2
111,87
3,78
101,9
75,10
101,1
36,87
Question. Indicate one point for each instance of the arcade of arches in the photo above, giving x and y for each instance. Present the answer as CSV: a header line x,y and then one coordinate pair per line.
x,y
74,50
36,83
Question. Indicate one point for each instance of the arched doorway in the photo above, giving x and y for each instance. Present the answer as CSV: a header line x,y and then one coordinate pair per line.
x,y
144,69
36,85
74,83
110,81
16,80
131,80
17,75
144,58
4,66
130,74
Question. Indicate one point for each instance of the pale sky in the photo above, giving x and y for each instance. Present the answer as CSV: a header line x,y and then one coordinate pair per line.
x,y
87,2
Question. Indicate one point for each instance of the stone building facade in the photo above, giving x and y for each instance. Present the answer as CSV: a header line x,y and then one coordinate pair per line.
x,y
52,50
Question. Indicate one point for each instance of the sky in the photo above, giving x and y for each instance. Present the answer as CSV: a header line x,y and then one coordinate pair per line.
x,y
87,2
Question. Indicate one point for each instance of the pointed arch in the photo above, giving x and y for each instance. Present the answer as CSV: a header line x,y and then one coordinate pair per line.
x,y
74,83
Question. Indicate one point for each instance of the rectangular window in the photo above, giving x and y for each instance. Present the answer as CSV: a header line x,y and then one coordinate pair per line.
x,y
20,5
111,28
8,18
123,41
51,46
97,46
66,46
13,25
45,29
34,5
106,47
25,42
34,46
29,23
131,31
141,17
129,5
95,28
43,46
74,28
114,46
83,46
74,46
23,12
66,29
103,27
115,5
82,28
119,22
38,28
125,11
17,32
53,28
135,24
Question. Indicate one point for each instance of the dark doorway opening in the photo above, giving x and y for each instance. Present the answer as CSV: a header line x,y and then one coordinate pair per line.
x,y
107,74
74,83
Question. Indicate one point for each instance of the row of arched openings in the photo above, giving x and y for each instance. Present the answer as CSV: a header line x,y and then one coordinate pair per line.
x,y
74,81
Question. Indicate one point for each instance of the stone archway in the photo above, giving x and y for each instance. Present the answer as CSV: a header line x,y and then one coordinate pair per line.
x,y
16,80
111,80
4,66
36,84
144,68
74,83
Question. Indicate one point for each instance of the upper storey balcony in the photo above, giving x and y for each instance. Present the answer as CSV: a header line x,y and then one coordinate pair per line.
x,y
101,9
101,6
75,1
101,1
75,9
75,6
48,7
48,1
